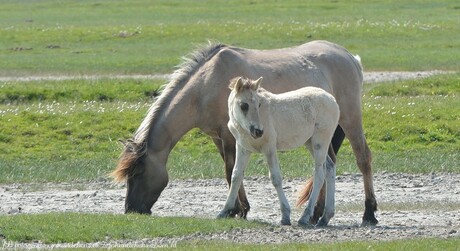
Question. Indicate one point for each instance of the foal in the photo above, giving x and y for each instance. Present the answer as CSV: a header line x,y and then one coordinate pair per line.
x,y
265,122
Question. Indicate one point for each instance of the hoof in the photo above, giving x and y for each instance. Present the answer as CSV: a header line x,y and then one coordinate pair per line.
x,y
369,222
240,210
286,222
227,214
305,224
322,223
369,219
242,213
369,213
224,214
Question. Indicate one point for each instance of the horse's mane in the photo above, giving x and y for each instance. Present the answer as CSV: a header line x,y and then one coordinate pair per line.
x,y
136,147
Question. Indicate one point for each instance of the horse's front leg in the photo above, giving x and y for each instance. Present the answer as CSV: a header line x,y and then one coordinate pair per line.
x,y
275,176
241,161
329,210
226,147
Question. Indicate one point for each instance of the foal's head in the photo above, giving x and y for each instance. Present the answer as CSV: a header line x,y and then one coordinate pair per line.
x,y
244,104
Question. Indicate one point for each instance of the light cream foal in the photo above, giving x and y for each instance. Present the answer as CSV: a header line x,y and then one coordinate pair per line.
x,y
264,122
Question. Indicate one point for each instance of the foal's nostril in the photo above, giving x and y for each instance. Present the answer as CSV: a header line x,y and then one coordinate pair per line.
x,y
256,133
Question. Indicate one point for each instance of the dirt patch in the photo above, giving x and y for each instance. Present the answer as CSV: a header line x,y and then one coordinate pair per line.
x,y
410,206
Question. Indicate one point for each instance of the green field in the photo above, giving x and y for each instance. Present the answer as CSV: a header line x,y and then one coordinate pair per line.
x,y
67,131
92,37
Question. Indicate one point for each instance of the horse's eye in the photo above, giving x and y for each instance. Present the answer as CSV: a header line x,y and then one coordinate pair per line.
x,y
244,107
259,104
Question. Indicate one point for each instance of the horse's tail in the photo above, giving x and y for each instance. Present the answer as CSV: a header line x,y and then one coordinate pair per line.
x,y
305,193
358,65
358,58
128,160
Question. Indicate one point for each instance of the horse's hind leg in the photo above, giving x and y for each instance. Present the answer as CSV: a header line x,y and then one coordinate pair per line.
x,y
337,141
354,132
275,176
227,152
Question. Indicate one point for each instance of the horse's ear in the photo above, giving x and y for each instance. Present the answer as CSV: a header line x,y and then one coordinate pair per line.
x,y
236,84
256,84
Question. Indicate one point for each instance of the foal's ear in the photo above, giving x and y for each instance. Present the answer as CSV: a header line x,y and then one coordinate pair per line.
x,y
256,84
236,84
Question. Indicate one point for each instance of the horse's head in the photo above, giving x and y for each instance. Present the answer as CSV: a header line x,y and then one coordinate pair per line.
x,y
145,178
244,104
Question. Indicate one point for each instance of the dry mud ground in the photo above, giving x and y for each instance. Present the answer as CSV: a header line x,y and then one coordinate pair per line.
x,y
410,205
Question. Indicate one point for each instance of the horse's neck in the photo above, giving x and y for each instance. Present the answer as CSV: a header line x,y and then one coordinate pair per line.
x,y
169,119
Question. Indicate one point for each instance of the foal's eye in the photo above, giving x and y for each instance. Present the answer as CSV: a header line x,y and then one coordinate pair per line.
x,y
244,107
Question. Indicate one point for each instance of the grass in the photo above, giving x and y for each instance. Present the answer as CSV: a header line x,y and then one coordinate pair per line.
x,y
81,37
411,126
426,111
414,244
103,90
78,227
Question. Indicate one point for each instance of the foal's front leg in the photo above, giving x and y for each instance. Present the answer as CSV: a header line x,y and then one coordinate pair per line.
x,y
275,176
241,161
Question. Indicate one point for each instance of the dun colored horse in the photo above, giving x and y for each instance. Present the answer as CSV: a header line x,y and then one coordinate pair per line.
x,y
264,122
196,97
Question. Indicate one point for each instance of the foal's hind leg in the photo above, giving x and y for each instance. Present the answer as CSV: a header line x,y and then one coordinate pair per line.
x,y
227,151
318,149
319,208
329,209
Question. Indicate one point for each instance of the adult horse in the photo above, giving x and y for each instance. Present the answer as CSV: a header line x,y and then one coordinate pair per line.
x,y
196,97
264,122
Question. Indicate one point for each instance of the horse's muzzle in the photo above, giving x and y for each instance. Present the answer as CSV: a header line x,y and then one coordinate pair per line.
x,y
256,133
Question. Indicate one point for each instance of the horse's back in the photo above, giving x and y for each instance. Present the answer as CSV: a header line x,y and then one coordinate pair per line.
x,y
317,63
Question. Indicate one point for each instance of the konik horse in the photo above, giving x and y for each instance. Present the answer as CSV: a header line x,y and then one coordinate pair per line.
x,y
264,122
196,97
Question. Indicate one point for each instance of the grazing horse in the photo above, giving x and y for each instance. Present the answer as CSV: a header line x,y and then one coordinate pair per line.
x,y
196,97
264,122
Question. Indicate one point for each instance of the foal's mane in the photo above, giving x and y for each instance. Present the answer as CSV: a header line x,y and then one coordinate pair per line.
x,y
247,83
136,147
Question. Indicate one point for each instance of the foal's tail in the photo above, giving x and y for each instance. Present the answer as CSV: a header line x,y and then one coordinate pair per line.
x,y
305,193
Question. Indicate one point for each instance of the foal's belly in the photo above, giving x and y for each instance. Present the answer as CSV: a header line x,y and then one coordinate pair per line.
x,y
291,139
